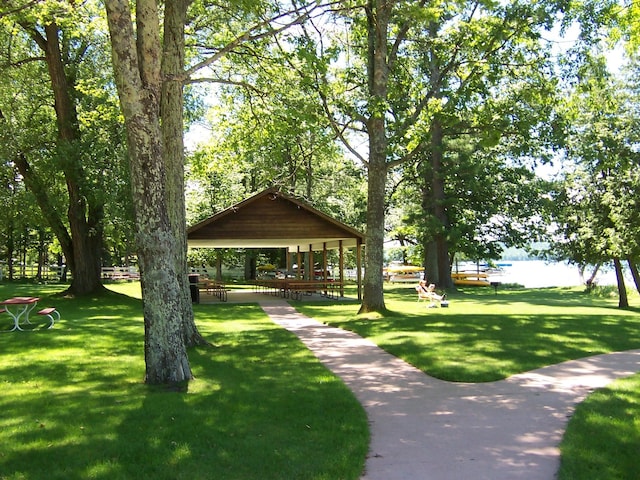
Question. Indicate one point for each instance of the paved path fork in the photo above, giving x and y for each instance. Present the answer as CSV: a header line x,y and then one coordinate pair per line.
x,y
427,429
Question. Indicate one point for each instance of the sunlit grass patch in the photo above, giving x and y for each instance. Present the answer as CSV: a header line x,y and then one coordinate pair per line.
x,y
74,405
482,336
603,436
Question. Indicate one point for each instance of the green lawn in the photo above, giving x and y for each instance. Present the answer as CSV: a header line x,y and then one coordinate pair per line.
x,y
603,436
482,336
262,407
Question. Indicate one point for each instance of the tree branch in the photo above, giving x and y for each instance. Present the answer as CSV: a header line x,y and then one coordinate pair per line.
x,y
249,35
222,81
18,9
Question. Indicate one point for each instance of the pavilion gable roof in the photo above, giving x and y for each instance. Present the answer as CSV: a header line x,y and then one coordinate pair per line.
x,y
272,219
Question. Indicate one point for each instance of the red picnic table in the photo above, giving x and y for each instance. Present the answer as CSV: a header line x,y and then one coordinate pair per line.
x,y
19,307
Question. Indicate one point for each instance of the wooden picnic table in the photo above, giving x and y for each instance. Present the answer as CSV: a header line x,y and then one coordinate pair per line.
x,y
214,287
296,288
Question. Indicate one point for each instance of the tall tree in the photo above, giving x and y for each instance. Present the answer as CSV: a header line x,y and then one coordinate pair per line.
x,y
137,63
495,111
63,50
150,78
355,88
406,76
596,206
171,112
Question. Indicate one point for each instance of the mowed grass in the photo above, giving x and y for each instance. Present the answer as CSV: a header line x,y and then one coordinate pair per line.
x,y
483,337
74,406
603,437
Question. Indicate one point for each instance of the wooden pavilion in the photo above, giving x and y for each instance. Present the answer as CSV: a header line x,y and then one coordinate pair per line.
x,y
272,219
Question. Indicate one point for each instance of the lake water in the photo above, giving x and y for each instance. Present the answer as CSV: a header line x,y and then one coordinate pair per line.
x,y
538,273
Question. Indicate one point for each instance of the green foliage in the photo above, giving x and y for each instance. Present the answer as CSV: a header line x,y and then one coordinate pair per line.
x,y
270,130
596,202
95,161
493,101
606,291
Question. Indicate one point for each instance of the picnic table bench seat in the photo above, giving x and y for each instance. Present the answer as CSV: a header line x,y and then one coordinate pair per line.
x,y
50,312
296,288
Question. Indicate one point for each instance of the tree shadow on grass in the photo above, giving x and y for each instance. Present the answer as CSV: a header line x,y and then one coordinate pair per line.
x,y
261,407
469,344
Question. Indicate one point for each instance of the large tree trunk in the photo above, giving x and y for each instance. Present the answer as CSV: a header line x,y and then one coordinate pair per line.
x,y
219,265
172,134
436,178
33,182
438,208
138,79
250,264
82,245
378,15
373,293
623,300
436,247
634,272
430,260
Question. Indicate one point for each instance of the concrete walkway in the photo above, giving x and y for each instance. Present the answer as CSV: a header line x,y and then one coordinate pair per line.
x,y
424,428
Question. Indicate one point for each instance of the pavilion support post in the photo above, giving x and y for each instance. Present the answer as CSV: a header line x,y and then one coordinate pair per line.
x,y
298,274
287,261
310,273
324,261
359,268
324,266
341,267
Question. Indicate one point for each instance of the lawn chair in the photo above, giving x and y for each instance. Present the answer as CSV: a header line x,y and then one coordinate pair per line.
x,y
429,293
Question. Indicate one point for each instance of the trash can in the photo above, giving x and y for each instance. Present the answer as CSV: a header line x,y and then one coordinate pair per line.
x,y
193,287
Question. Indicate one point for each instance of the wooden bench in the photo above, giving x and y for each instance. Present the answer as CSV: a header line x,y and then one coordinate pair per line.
x,y
273,286
297,289
50,312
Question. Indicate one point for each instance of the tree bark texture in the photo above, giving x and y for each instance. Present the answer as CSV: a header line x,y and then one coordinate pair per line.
x,y
633,267
373,296
39,191
378,15
171,112
435,180
136,65
623,299
430,261
438,207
